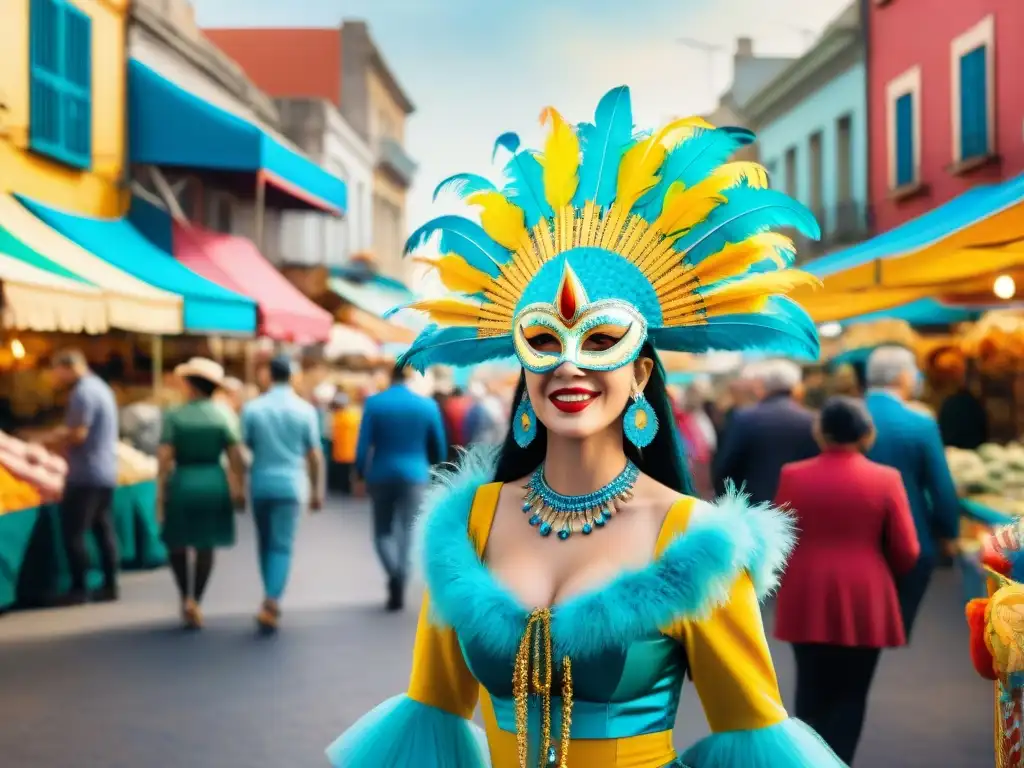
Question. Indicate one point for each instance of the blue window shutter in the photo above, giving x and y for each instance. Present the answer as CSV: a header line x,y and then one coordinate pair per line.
x,y
60,82
904,139
973,104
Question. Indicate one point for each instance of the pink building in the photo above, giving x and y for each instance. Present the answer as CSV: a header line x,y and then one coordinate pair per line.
x,y
945,101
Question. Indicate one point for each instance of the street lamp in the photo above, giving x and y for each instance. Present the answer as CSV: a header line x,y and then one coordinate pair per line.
x,y
710,49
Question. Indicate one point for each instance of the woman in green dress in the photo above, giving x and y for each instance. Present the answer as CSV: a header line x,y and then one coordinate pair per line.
x,y
200,496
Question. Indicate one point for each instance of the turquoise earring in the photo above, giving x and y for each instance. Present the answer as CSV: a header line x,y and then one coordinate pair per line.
x,y
524,425
641,422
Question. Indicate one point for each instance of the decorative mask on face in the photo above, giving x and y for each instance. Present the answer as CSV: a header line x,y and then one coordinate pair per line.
x,y
595,336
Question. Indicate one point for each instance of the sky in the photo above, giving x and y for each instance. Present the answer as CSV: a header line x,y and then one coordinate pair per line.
x,y
475,69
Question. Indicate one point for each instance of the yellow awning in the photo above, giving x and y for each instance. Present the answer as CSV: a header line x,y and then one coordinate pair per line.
x,y
37,300
131,304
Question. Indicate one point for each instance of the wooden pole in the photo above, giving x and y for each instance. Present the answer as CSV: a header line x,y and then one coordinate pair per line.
x,y
158,363
260,212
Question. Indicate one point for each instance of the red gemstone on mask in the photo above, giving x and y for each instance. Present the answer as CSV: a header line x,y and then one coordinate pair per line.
x,y
567,301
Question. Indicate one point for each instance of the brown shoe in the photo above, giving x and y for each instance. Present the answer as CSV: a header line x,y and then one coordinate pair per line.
x,y
191,616
268,617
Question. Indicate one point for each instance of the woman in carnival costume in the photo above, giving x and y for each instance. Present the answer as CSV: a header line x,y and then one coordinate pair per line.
x,y
572,581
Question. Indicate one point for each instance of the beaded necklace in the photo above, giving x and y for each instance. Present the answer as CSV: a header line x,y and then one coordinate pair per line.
x,y
552,511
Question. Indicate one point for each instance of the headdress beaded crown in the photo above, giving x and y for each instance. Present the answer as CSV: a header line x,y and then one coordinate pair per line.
x,y
657,222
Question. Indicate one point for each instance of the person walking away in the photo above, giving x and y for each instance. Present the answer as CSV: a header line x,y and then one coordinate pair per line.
x,y
487,420
762,438
345,439
837,603
400,437
199,497
282,433
89,441
910,442
456,407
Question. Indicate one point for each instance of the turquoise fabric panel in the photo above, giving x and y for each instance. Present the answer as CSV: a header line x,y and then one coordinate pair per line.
x,y
209,308
15,534
169,126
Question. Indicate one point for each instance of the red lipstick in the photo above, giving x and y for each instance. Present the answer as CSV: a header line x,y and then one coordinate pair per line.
x,y
572,399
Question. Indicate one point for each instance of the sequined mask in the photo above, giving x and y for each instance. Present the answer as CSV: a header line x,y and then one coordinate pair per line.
x,y
594,336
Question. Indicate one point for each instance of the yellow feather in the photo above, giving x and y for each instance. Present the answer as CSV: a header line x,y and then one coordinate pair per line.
x,y
685,208
504,222
457,274
736,258
755,175
640,166
767,284
447,311
561,160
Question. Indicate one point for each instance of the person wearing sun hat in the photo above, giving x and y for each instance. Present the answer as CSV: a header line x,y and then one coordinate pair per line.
x,y
199,502
573,582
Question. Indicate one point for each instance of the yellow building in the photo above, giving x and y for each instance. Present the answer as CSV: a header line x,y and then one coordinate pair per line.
x,y
62,102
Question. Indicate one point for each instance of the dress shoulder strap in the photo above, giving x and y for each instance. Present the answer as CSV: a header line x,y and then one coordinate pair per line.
x,y
676,521
481,515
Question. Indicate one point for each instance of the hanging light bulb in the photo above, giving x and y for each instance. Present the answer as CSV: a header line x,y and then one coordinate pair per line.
x,y
830,330
1004,287
17,349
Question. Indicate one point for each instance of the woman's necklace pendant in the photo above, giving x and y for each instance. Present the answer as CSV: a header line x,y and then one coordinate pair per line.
x,y
552,512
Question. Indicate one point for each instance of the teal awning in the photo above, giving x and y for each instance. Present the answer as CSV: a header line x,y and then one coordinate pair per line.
x,y
921,312
172,127
209,308
375,295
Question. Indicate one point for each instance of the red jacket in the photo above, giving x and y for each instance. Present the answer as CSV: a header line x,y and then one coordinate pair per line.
x,y
856,534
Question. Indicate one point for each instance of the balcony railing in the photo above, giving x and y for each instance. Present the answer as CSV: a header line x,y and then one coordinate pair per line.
x,y
392,156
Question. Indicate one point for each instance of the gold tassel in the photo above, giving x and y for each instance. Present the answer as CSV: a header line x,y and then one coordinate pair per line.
x,y
536,679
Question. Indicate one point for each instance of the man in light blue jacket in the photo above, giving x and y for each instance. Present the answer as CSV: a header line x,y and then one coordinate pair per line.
x,y
400,436
909,441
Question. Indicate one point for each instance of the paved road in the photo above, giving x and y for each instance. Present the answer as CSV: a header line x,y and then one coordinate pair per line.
x,y
120,687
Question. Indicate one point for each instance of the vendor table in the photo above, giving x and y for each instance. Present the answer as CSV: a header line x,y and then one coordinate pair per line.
x,y
41,573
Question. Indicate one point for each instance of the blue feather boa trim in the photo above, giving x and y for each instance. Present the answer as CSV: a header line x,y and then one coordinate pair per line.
x,y
789,744
403,733
689,581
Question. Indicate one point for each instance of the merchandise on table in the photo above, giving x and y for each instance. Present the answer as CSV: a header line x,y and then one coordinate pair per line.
x,y
16,494
33,464
134,466
991,469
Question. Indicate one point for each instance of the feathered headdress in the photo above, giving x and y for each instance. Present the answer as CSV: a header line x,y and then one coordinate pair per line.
x,y
659,223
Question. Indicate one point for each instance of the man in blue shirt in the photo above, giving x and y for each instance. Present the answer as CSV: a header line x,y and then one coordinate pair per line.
x,y
400,437
910,442
89,440
283,435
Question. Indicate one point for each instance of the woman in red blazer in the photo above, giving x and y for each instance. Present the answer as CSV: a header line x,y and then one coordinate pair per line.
x,y
837,603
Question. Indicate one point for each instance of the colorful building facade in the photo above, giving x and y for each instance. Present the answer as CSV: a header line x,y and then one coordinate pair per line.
x,y
811,126
945,102
62,102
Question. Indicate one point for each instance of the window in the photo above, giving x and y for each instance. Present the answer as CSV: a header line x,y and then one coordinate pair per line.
x,y
972,97
903,122
844,159
790,172
816,171
60,82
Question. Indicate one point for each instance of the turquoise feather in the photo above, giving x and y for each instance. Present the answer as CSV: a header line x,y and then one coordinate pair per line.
x,y
690,162
603,147
524,180
463,185
464,237
747,212
783,329
454,346
789,744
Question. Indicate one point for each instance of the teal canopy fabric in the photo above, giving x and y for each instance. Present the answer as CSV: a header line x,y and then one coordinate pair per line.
x,y
169,126
962,211
209,308
921,312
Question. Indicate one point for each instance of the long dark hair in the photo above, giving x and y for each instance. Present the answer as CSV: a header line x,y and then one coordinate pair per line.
x,y
662,460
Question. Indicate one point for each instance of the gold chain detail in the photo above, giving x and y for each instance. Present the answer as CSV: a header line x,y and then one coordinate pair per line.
x,y
536,679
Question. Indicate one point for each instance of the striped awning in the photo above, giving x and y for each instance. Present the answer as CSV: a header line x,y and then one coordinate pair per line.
x,y
131,304
35,299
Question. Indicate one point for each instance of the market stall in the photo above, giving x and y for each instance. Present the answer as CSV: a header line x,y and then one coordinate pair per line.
x,y
33,562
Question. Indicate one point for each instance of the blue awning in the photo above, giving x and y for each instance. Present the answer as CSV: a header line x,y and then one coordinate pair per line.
x,y
169,126
209,308
959,213
921,312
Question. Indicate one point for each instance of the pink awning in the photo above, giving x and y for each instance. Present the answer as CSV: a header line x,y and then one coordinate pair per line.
x,y
285,314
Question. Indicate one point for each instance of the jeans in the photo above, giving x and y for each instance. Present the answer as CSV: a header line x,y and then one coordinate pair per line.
x,y
276,520
394,507
86,508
